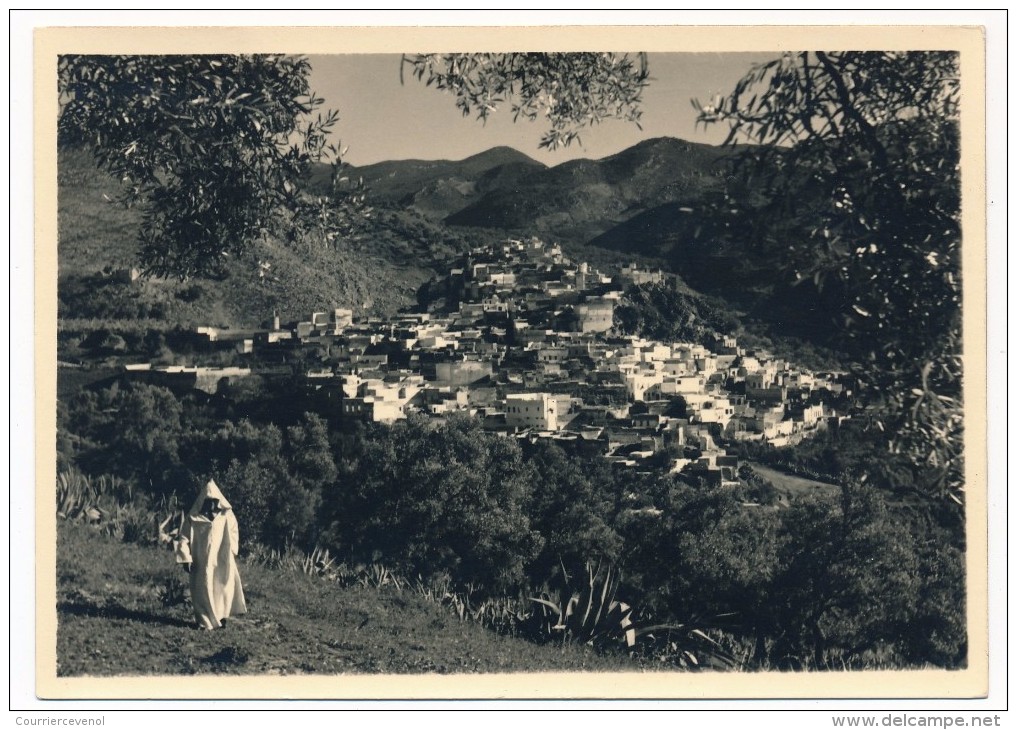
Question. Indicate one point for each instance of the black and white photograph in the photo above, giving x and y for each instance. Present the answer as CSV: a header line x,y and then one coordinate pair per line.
x,y
612,362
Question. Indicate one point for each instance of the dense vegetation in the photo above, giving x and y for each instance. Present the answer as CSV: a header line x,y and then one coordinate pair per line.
x,y
840,224
123,610
862,581
851,191
663,313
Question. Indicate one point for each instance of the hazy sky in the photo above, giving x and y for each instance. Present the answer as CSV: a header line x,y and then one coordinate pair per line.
x,y
383,120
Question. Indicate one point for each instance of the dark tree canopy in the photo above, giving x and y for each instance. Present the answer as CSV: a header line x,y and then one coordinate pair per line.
x,y
451,498
853,182
212,148
571,91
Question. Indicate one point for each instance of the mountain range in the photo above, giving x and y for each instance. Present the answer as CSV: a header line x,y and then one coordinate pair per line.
x,y
643,203
574,203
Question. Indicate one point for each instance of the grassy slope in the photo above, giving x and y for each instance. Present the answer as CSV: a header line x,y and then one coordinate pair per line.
x,y
95,233
112,621
793,486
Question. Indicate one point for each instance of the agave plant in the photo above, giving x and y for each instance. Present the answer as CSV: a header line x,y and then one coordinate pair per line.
x,y
377,575
435,589
76,497
458,603
503,615
319,563
682,645
586,610
343,575
258,554
137,525
169,529
106,502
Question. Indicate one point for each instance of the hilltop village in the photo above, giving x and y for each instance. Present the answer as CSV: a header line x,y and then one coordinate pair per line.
x,y
524,339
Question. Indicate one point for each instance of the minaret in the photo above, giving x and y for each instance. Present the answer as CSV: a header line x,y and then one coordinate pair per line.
x,y
584,268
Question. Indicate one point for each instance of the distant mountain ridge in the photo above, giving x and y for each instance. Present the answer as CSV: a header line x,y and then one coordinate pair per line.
x,y
576,202
437,187
622,206
646,201
643,203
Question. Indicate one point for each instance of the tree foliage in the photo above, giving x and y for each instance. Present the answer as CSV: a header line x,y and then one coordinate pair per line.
x,y
571,510
867,580
450,499
571,91
850,581
853,182
704,556
138,429
211,147
660,312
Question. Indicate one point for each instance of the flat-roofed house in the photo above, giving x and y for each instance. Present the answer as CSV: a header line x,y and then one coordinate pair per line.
x,y
533,410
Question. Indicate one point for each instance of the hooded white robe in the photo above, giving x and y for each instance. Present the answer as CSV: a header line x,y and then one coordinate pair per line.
x,y
211,546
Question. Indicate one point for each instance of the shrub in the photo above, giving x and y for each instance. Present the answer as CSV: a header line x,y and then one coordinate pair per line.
x,y
446,499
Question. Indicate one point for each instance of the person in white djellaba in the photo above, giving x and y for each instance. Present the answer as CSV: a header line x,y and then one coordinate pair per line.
x,y
206,547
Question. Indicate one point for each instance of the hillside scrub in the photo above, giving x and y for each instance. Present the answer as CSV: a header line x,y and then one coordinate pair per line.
x,y
210,149
850,188
122,610
450,499
377,268
661,312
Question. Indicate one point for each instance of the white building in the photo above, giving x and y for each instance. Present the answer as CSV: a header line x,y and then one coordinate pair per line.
x,y
378,401
533,410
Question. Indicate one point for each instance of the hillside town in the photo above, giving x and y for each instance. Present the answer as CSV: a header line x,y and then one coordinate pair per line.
x,y
522,338
613,389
